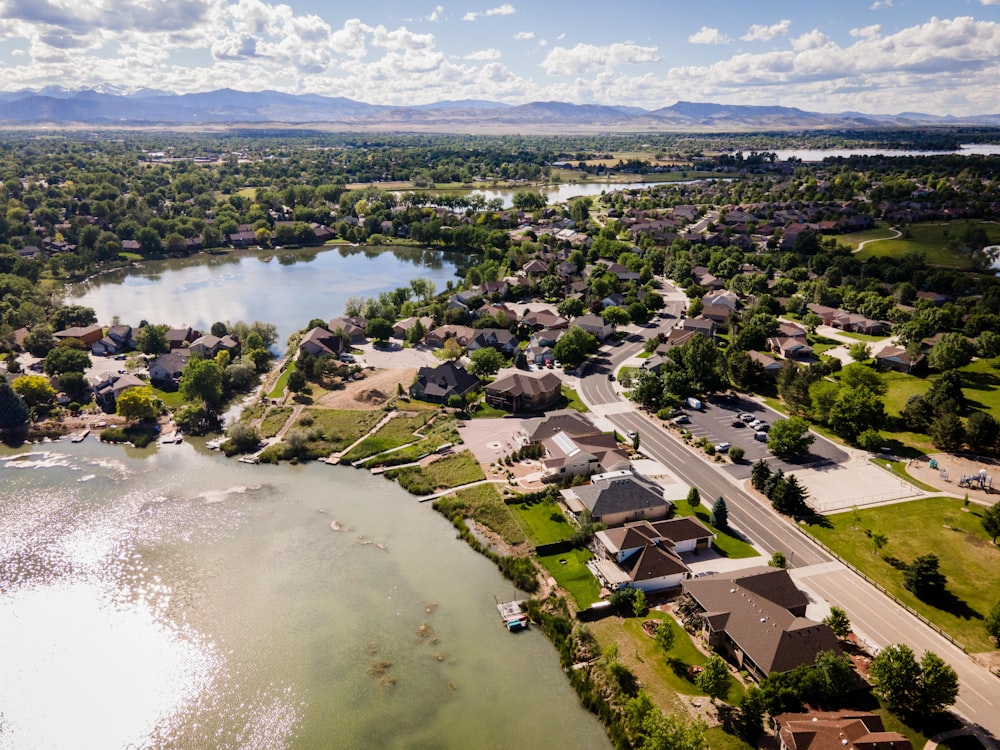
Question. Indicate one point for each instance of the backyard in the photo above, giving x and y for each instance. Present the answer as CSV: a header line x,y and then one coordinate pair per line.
x,y
968,558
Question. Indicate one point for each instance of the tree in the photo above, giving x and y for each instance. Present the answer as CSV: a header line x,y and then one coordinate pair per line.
x,y
923,577
992,622
647,391
856,410
486,361
856,375
715,679
991,521
616,316
894,676
13,411
720,514
952,352
760,473
244,437
947,432
70,316
778,560
736,454
575,346
66,359
981,431
664,635
34,389
694,498
789,437
379,329
938,684
836,675
296,381
918,413
570,307
450,350
822,396
201,380
859,351
879,540
152,339
870,440
137,403
838,622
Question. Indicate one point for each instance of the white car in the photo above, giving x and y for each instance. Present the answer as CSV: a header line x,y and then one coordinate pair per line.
x,y
756,424
722,448
746,417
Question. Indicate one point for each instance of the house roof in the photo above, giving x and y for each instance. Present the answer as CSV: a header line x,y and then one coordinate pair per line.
x,y
446,379
620,495
837,730
753,607
521,383
653,561
322,339
565,420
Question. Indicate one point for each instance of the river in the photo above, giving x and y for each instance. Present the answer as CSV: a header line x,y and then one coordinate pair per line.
x,y
287,288
172,598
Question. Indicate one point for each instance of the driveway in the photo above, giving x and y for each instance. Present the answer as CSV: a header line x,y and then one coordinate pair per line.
x,y
393,356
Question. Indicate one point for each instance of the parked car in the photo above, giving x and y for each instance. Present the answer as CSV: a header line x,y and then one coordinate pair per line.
x,y
693,403
682,419
722,448
746,417
763,427
760,437
756,423
739,423
347,357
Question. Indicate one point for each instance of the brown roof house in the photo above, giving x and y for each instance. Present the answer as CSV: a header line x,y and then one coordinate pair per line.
x,y
438,384
319,341
573,446
836,730
87,334
353,327
523,391
618,497
756,619
647,555
897,358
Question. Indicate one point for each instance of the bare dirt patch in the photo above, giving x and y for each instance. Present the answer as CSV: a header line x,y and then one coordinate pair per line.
x,y
371,392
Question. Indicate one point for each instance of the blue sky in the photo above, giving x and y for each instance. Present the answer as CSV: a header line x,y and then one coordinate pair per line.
x,y
877,56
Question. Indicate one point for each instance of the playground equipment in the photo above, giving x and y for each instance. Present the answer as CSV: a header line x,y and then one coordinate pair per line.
x,y
980,481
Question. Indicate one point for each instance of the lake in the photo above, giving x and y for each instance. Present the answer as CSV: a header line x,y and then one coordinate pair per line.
x,y
285,288
173,598
817,154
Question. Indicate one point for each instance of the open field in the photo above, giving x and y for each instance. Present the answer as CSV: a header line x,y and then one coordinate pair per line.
x,y
570,571
543,522
931,240
969,559
484,504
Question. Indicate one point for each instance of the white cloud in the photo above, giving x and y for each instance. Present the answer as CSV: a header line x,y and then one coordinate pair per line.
x,y
990,2
879,4
588,57
868,32
760,33
814,39
470,16
707,35
436,13
543,42
503,10
522,36
484,54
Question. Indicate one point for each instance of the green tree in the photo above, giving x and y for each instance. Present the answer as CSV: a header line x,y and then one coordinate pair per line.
x,y
616,316
720,514
71,316
822,396
379,329
838,622
870,440
760,473
13,411
836,676
856,410
34,389
938,684
665,635
859,351
647,391
694,498
947,432
574,346
952,352
152,339
895,676
450,350
789,437
981,431
75,386
244,437
924,578
137,403
486,361
992,622
201,380
296,381
856,375
66,359
715,679
778,560
879,540
736,454
991,521
570,307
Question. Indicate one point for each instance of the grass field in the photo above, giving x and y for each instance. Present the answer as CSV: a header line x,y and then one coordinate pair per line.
x,y
573,575
170,399
484,504
450,471
279,385
931,240
341,427
274,420
881,232
395,433
969,559
543,522
572,400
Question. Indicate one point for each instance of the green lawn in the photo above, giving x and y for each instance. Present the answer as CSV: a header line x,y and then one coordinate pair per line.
x,y
726,543
866,337
574,576
543,522
341,427
450,471
397,432
969,559
931,240
572,400
274,420
171,399
880,232
279,385
485,411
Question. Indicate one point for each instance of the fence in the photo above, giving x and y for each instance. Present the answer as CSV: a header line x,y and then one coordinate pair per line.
x,y
843,504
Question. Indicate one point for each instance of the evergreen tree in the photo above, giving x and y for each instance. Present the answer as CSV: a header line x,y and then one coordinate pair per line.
x,y
13,410
720,514
759,475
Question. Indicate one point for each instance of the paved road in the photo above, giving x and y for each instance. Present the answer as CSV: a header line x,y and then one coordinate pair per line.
x,y
875,616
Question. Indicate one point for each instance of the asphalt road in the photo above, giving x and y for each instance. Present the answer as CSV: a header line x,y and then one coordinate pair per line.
x,y
873,614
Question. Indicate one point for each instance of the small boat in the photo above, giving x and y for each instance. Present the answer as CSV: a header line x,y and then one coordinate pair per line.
x,y
249,458
171,438
80,436
216,443
513,616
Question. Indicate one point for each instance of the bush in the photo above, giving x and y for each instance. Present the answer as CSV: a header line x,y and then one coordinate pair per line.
x,y
736,454
113,435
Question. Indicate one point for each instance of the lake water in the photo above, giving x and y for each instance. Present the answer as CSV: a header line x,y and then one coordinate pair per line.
x,y
288,289
176,599
564,192
816,154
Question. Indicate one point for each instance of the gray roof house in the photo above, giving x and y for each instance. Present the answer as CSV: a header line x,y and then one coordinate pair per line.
x,y
618,497
438,384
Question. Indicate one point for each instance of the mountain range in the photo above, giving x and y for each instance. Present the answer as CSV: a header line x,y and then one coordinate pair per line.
x,y
108,107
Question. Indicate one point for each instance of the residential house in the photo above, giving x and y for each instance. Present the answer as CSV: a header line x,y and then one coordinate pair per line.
x,y
702,325
438,384
437,337
87,335
790,330
497,338
756,618
719,306
836,730
319,341
353,327
167,368
179,337
648,555
208,345
826,314
539,319
403,327
790,348
536,267
573,446
118,339
618,497
522,391
896,358
594,324
768,364
107,392
855,323
498,311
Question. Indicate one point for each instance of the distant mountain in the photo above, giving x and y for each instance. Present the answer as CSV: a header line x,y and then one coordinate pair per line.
x,y
105,105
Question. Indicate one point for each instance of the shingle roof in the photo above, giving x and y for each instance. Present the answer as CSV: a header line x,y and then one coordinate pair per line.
x,y
620,495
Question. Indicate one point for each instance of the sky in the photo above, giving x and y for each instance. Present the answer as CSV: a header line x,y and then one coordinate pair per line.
x,y
872,56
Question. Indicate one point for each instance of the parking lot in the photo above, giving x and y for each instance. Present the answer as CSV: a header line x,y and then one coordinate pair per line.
x,y
718,419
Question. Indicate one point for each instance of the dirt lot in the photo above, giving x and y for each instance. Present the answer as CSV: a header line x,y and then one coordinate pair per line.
x,y
377,388
957,467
